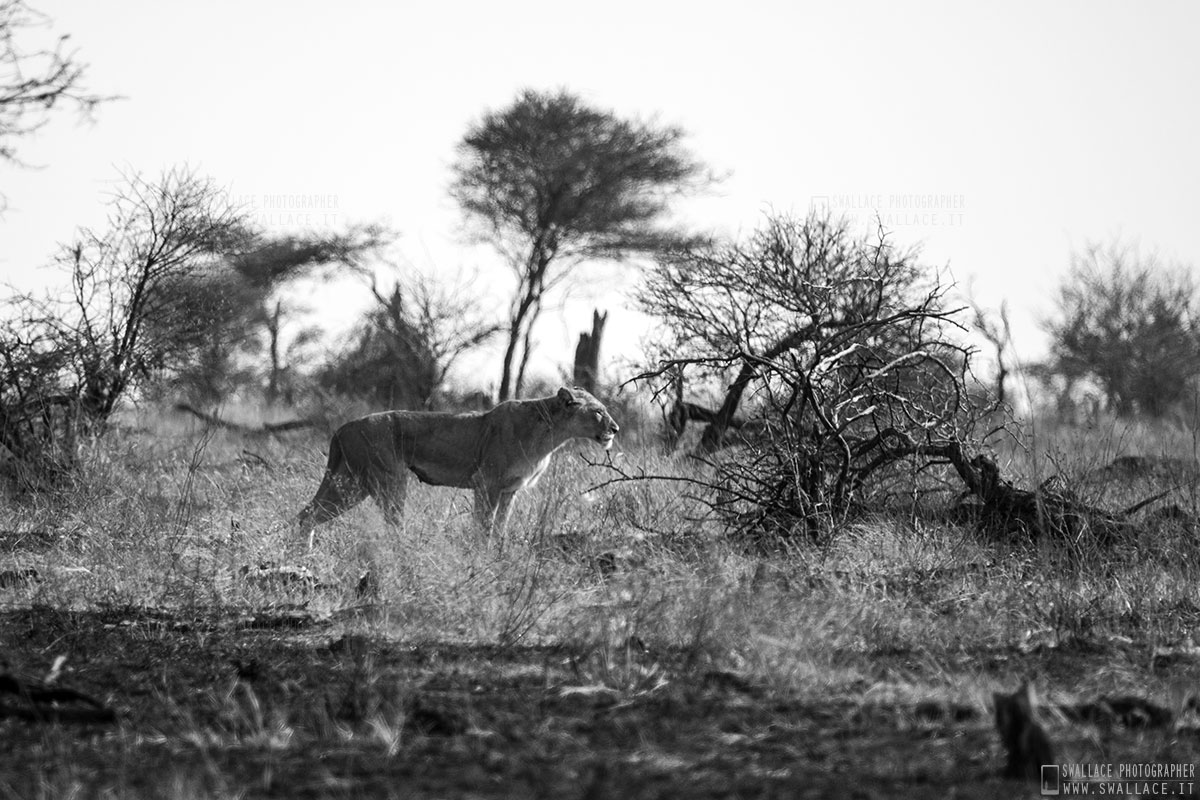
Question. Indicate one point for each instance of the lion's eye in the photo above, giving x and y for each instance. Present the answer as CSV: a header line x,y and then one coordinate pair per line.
x,y
599,417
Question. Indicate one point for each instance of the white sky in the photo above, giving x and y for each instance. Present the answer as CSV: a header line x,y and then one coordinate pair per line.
x,y
1051,123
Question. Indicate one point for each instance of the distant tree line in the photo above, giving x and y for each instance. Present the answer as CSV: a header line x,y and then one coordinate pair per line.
x,y
1127,323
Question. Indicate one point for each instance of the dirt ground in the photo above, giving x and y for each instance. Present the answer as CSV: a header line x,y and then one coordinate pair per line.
x,y
281,705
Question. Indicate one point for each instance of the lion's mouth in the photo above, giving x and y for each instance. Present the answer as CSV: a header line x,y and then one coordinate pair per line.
x,y
606,440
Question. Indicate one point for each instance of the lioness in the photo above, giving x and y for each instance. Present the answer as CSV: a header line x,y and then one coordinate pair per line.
x,y
496,453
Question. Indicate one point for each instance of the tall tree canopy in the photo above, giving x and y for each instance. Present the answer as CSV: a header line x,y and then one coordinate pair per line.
x,y
554,182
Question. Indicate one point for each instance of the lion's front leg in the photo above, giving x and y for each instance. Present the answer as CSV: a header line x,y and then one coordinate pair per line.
x,y
486,502
503,510
492,509
390,490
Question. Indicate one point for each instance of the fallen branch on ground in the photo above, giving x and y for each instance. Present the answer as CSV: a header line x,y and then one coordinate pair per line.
x,y
1044,511
40,703
267,427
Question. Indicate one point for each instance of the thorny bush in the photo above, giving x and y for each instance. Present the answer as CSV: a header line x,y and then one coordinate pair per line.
x,y
843,353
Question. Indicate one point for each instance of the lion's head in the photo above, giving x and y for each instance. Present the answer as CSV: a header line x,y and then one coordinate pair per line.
x,y
585,416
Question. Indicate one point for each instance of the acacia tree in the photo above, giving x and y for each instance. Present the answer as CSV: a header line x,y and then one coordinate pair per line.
x,y
1130,323
245,317
838,348
555,182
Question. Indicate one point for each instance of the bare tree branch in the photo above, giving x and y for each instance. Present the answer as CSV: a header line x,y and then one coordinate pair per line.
x,y
35,82
838,347
403,350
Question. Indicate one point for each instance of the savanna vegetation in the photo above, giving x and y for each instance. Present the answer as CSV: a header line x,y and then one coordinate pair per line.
x,y
820,560
618,641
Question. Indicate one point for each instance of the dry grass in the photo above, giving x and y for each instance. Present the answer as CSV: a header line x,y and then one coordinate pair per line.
x,y
614,644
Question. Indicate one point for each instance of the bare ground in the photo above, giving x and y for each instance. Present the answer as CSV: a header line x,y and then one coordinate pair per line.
x,y
277,704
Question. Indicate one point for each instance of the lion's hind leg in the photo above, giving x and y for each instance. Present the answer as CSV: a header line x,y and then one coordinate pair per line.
x,y
336,494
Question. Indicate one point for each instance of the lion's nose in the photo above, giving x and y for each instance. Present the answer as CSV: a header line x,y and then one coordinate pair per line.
x,y
615,428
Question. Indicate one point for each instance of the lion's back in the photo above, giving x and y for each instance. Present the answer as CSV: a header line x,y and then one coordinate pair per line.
x,y
499,446
466,449
441,448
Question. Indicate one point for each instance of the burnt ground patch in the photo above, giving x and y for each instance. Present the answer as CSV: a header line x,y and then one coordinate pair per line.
x,y
206,705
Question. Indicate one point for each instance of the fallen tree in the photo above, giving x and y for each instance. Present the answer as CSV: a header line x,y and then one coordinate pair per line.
x,y
1049,511
999,507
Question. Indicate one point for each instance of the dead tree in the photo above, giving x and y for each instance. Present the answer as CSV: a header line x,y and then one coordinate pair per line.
x,y
998,332
1047,512
802,301
681,412
587,354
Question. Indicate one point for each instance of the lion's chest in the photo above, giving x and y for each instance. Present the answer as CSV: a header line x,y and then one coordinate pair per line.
x,y
518,474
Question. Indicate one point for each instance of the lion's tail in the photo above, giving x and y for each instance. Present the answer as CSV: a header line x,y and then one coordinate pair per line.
x,y
309,516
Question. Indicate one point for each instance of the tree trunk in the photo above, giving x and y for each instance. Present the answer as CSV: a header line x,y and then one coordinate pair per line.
x,y
510,350
273,379
714,435
527,347
518,331
587,354
533,282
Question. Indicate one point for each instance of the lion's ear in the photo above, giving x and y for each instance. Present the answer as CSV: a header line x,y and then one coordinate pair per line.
x,y
566,397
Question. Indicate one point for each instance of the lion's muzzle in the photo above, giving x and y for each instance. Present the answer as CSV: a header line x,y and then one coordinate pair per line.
x,y
606,438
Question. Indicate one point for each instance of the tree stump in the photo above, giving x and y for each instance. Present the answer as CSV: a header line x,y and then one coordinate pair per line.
x,y
587,354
